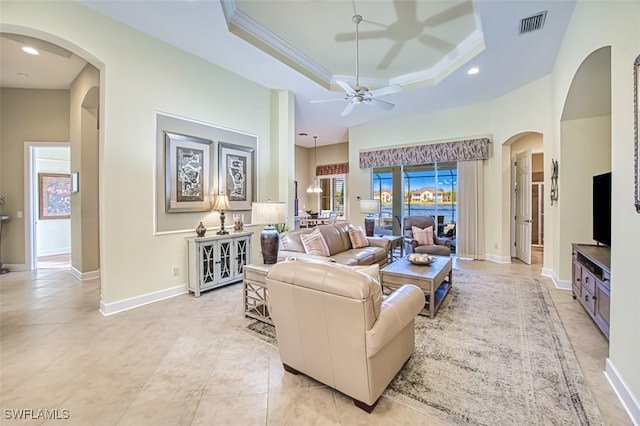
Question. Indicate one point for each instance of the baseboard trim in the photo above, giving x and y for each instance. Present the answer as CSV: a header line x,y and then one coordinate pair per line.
x,y
135,302
560,284
85,276
16,267
626,397
498,259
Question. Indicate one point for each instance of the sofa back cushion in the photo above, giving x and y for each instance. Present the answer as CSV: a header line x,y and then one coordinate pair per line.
x,y
291,240
336,236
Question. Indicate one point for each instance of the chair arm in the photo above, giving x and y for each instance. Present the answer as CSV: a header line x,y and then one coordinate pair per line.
x,y
397,310
442,241
379,242
410,244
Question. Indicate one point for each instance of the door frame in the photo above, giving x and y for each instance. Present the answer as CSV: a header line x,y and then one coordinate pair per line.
x,y
30,192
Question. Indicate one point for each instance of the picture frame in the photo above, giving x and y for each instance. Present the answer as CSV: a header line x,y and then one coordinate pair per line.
x,y
74,182
54,196
636,133
236,174
187,173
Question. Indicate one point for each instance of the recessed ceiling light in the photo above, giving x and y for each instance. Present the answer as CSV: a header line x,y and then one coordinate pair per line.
x,y
30,50
474,70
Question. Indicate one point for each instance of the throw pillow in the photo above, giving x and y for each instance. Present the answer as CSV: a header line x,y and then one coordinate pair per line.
x,y
423,236
314,243
358,238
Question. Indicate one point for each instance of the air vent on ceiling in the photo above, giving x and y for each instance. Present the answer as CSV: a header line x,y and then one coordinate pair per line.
x,y
532,23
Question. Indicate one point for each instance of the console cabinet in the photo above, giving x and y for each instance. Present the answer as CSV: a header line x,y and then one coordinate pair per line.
x,y
591,282
217,260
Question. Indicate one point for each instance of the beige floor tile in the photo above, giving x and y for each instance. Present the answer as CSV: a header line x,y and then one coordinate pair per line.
x,y
185,360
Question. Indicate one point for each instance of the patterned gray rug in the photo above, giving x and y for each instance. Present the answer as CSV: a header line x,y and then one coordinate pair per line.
x,y
495,354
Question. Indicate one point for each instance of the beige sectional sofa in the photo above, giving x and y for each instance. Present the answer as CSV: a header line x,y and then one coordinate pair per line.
x,y
340,248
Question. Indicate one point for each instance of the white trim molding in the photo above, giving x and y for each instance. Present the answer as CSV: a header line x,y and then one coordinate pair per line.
x,y
85,276
497,259
626,397
560,284
107,309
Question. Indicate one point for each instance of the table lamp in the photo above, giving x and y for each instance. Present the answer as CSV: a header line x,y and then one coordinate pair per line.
x,y
369,207
269,213
221,203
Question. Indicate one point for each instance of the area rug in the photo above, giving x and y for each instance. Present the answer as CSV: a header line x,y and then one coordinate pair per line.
x,y
496,353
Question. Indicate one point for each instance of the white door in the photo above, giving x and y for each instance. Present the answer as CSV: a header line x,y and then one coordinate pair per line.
x,y
523,206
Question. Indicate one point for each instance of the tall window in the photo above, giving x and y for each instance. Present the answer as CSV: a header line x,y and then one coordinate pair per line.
x,y
333,192
427,190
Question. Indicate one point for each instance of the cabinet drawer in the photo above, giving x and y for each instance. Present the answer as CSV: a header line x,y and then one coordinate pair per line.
x,y
589,281
587,300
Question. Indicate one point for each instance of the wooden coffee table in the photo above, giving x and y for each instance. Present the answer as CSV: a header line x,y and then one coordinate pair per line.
x,y
435,280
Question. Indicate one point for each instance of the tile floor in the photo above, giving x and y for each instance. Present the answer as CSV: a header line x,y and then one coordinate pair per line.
x,y
183,361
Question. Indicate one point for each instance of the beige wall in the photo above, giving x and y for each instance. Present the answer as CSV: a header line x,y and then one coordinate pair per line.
x,y
26,116
135,262
85,250
304,164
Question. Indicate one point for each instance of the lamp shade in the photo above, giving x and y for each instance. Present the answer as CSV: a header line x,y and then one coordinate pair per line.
x,y
221,202
369,206
268,213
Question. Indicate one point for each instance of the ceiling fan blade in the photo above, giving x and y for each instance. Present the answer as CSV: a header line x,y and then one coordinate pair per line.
x,y
436,43
388,90
461,9
318,101
347,88
380,104
362,36
391,55
350,106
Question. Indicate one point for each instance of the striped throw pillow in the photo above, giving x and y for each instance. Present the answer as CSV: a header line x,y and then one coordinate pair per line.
x,y
314,243
358,238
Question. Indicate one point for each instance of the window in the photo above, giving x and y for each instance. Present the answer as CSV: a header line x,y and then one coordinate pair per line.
x,y
426,190
333,192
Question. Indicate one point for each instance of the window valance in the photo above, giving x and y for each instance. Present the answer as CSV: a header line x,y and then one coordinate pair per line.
x,y
471,149
332,169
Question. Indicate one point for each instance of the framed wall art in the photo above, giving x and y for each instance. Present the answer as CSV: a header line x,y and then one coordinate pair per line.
x,y
236,174
54,191
187,173
636,132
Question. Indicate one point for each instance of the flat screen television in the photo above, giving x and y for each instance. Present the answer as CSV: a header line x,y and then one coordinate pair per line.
x,y
602,208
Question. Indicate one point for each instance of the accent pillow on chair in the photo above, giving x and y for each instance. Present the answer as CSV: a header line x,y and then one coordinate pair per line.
x,y
424,236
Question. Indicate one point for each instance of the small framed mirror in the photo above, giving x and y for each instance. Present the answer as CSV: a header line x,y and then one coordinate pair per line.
x,y
636,136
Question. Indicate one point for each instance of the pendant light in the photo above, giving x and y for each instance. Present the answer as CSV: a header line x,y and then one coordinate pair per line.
x,y
314,187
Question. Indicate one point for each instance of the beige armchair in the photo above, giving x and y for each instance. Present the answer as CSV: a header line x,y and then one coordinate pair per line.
x,y
440,246
333,325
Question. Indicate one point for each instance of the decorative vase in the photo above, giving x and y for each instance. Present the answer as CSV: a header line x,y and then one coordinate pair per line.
x,y
201,230
238,226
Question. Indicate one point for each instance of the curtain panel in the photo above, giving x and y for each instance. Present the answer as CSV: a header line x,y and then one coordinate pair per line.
x,y
332,169
471,149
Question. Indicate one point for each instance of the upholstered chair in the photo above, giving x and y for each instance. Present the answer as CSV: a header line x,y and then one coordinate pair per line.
x,y
333,325
439,246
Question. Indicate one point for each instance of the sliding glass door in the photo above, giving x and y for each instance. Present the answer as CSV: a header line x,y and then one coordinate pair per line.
x,y
420,190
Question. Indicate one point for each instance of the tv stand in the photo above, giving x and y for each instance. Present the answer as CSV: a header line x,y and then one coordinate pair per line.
x,y
591,282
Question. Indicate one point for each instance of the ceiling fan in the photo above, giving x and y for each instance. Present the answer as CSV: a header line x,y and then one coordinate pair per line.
x,y
360,95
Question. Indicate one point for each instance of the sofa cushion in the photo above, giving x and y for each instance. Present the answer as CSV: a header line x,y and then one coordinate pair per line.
x,y
423,236
314,243
358,238
291,241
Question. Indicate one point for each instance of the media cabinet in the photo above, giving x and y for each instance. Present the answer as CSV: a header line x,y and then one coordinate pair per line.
x,y
591,282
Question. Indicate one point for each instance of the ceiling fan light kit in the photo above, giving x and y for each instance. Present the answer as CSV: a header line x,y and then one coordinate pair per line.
x,y
360,95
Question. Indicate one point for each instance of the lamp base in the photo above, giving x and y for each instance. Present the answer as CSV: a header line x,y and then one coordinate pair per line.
x,y
270,242
369,223
222,231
